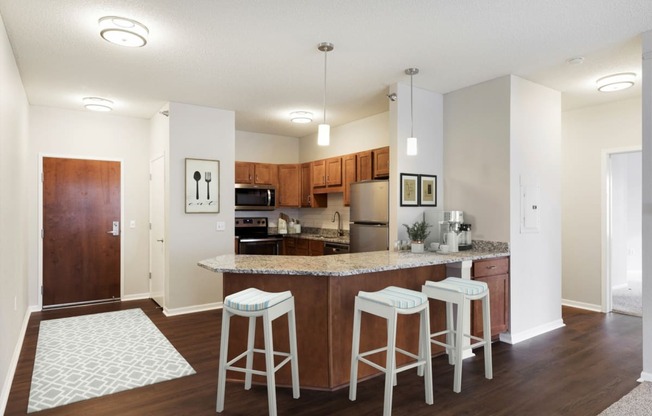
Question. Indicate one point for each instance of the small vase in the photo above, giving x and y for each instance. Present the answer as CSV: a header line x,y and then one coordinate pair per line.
x,y
417,247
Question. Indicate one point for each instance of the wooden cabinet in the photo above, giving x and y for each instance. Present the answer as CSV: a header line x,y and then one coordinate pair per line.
x,y
350,176
293,246
308,199
364,170
494,272
289,185
327,173
381,163
255,173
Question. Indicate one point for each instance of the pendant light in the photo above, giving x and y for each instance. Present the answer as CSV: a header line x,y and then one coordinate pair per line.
x,y
324,130
411,141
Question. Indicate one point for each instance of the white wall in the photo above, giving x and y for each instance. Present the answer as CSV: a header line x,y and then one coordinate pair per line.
x,y
476,154
429,130
201,133
646,374
587,133
14,299
535,159
266,148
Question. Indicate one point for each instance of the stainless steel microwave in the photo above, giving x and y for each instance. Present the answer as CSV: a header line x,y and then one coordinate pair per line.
x,y
255,197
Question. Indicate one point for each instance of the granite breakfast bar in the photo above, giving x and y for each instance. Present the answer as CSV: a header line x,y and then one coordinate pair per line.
x,y
324,289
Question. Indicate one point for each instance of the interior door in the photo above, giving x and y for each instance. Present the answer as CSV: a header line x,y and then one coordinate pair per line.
x,y
157,230
81,231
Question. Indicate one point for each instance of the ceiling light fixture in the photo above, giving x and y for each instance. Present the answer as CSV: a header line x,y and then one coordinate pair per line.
x,y
123,31
616,82
411,141
97,104
301,117
324,130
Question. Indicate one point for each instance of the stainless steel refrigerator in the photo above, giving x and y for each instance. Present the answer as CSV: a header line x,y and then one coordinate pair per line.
x,y
369,227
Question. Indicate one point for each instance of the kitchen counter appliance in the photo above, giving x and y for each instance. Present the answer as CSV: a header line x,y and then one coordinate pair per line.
x,y
255,197
369,228
335,248
253,238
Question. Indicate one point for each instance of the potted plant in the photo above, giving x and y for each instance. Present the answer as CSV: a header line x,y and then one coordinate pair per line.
x,y
418,233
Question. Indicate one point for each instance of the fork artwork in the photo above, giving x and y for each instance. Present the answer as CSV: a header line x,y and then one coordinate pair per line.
x,y
207,178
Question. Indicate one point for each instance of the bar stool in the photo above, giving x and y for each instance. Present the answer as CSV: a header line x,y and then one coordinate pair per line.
x,y
456,291
253,303
388,303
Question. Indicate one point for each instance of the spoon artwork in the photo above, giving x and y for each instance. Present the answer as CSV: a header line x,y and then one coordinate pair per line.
x,y
197,177
207,178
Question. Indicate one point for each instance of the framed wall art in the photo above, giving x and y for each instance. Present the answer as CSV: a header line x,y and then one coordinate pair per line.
x,y
409,190
202,186
428,190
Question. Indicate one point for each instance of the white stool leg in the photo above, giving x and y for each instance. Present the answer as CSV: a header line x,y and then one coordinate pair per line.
x,y
424,353
450,333
251,338
269,364
294,362
390,368
459,338
355,350
486,324
224,347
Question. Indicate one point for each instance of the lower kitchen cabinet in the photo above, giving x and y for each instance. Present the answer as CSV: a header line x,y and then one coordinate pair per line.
x,y
293,246
495,273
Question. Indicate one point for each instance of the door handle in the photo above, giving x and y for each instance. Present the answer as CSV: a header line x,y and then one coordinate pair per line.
x,y
160,241
116,229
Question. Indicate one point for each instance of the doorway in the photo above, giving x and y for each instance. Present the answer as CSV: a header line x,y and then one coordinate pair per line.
x,y
157,230
625,232
81,212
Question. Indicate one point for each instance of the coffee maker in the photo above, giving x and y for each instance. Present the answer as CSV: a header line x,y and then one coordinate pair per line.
x,y
450,229
464,238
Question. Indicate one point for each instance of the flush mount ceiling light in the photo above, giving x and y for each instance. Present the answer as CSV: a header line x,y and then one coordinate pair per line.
x,y
616,82
301,117
123,31
324,130
97,104
411,141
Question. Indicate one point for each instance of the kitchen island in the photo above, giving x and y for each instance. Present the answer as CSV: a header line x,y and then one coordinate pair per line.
x,y
324,289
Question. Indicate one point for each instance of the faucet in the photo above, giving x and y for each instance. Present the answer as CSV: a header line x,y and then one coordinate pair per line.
x,y
340,232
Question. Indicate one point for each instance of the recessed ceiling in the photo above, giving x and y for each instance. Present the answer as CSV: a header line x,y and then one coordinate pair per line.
x,y
259,58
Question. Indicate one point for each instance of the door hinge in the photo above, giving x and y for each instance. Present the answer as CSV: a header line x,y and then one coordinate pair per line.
x,y
150,225
41,290
42,233
42,177
150,176
150,275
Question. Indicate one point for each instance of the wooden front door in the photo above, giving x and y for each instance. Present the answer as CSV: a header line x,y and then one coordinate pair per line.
x,y
81,254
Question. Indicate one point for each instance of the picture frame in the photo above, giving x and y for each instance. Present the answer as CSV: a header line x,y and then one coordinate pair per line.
x,y
409,190
202,186
428,190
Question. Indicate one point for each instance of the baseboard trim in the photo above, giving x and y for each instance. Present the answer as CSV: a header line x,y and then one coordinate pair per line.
x,y
6,387
192,309
582,305
645,377
137,296
512,338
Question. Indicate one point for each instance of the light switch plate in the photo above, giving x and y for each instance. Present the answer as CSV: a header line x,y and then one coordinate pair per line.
x,y
132,224
221,226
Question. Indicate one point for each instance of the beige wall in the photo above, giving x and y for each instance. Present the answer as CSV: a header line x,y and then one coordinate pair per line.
x,y
14,299
84,134
587,132
266,148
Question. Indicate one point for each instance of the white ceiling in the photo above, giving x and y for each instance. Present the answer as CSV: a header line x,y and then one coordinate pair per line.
x,y
259,58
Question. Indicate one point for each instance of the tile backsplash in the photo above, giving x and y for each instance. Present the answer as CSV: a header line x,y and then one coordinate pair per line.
x,y
323,217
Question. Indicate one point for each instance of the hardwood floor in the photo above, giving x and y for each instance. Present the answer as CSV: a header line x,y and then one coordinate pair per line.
x,y
576,370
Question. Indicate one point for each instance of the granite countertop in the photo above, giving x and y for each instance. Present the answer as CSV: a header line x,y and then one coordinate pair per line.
x,y
344,264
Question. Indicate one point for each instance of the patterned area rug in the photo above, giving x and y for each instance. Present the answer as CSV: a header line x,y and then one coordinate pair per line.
x,y
89,356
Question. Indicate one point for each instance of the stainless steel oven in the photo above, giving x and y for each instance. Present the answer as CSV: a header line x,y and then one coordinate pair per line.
x,y
253,237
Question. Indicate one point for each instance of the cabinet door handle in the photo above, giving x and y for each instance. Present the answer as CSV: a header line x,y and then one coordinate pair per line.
x,y
491,267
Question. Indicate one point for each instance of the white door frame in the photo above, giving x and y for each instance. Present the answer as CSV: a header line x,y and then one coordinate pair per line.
x,y
40,217
606,221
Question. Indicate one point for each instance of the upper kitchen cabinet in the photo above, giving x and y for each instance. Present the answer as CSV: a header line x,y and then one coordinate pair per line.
x,y
364,168
308,199
289,189
255,173
381,163
350,168
327,173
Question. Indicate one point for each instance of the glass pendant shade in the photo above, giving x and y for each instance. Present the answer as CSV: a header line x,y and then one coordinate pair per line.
x,y
411,146
324,135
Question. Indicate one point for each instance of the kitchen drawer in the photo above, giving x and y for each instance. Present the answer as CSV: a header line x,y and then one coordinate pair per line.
x,y
490,267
